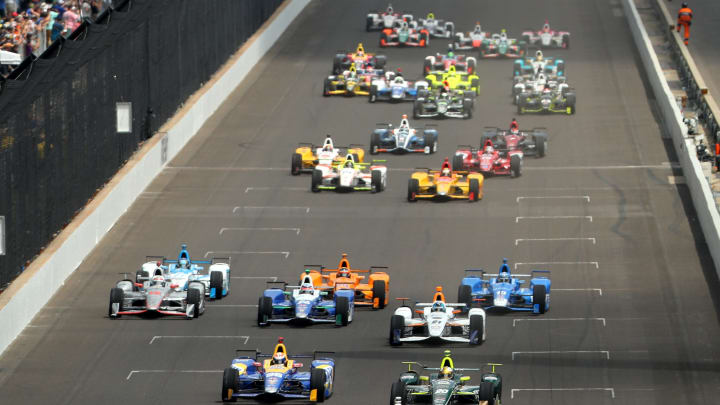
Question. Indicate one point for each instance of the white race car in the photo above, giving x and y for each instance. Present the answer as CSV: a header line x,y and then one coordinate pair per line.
x,y
379,20
470,40
547,38
349,176
437,321
436,28
403,139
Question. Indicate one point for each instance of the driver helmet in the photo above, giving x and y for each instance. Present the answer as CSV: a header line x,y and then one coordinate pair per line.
x,y
478,28
489,149
538,55
503,277
446,172
306,289
399,80
546,27
451,54
183,262
438,306
279,358
327,148
389,9
158,278
503,34
447,373
344,272
349,164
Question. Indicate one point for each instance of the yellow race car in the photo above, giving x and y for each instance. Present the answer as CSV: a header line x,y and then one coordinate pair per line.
x,y
307,156
455,80
445,184
349,83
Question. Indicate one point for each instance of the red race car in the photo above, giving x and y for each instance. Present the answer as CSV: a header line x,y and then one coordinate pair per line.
x,y
532,142
404,36
488,160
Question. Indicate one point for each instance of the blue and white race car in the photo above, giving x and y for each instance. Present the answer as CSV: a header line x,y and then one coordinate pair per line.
x,y
184,270
394,88
305,304
403,139
539,64
504,291
278,377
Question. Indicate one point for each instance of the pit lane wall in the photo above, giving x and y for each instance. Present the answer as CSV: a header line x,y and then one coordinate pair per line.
x,y
700,191
38,283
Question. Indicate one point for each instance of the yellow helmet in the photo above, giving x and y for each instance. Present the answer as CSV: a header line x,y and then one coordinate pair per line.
x,y
447,372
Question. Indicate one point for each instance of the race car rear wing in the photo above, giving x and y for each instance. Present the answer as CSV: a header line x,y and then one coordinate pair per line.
x,y
411,363
370,270
313,356
532,274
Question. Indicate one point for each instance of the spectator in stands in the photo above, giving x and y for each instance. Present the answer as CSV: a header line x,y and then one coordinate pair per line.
x,y
57,29
2,8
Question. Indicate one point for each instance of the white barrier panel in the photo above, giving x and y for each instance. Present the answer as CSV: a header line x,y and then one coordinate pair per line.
x,y
700,191
36,285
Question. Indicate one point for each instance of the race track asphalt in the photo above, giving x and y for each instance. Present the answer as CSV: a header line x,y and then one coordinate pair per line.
x,y
634,316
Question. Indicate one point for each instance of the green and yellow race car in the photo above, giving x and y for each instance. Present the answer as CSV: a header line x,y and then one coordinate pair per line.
x,y
455,80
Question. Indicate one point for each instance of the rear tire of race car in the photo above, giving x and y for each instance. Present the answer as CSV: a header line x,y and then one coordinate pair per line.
x,y
373,94
467,108
318,378
316,180
342,309
540,145
265,310
417,109
193,298
296,164
571,100
475,84
216,282
356,157
398,390
374,143
427,66
380,61
413,190
476,325
326,88
376,181
424,39
337,64
515,166
368,24
487,392
521,103
229,385
566,41
383,40
378,291
429,143
540,297
474,190
116,297
560,69
465,296
458,163
471,66
397,323
526,39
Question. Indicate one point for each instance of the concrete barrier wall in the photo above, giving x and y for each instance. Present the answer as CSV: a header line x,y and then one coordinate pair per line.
x,y
39,282
700,191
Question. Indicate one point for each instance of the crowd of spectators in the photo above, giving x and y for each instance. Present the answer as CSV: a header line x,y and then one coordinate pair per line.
x,y
30,26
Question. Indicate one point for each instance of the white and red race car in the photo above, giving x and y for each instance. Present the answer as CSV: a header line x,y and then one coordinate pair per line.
x,y
470,40
547,37
379,20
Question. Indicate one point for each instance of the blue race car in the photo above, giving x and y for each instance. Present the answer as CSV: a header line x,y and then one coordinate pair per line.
x,y
403,139
394,88
540,64
305,304
184,270
278,377
504,291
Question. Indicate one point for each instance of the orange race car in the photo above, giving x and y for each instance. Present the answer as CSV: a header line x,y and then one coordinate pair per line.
x,y
370,290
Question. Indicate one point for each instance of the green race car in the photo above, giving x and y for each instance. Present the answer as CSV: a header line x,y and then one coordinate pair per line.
x,y
455,80
446,386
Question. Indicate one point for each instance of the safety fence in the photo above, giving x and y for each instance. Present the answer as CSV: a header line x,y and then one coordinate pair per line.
x,y
60,116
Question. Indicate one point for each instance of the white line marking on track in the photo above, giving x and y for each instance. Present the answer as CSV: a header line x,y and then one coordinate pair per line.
x,y
154,338
517,241
170,371
598,290
597,266
249,189
605,352
604,323
238,252
223,230
588,217
550,197
306,209
514,390
273,278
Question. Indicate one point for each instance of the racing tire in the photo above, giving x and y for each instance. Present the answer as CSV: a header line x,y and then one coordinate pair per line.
x,y
316,181
413,190
216,282
398,390
474,190
467,108
515,166
374,143
471,66
193,298
526,39
429,144
417,109
427,66
560,69
570,99
476,325
373,94
566,41
465,296
376,181
397,323
424,39
383,40
458,163
342,310
378,290
265,310
540,145
487,392
116,297
229,385
540,297
475,84
368,24
380,61
318,378
296,164
326,88
356,157
517,70
337,65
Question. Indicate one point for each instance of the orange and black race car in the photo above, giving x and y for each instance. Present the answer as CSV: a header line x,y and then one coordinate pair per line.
x,y
371,287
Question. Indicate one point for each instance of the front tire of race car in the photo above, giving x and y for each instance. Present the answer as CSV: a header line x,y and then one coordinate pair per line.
x,y
467,108
229,385
458,163
477,330
413,190
376,181
471,66
515,166
398,390
117,296
368,24
342,310
429,144
216,282
465,296
474,190
540,145
566,41
265,310
296,164
193,298
475,84
427,66
373,94
318,378
417,108
397,326
316,180
378,291
540,297
326,88
487,392
374,143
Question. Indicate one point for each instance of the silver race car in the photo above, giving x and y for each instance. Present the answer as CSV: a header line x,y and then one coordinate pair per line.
x,y
436,28
349,176
389,18
403,139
